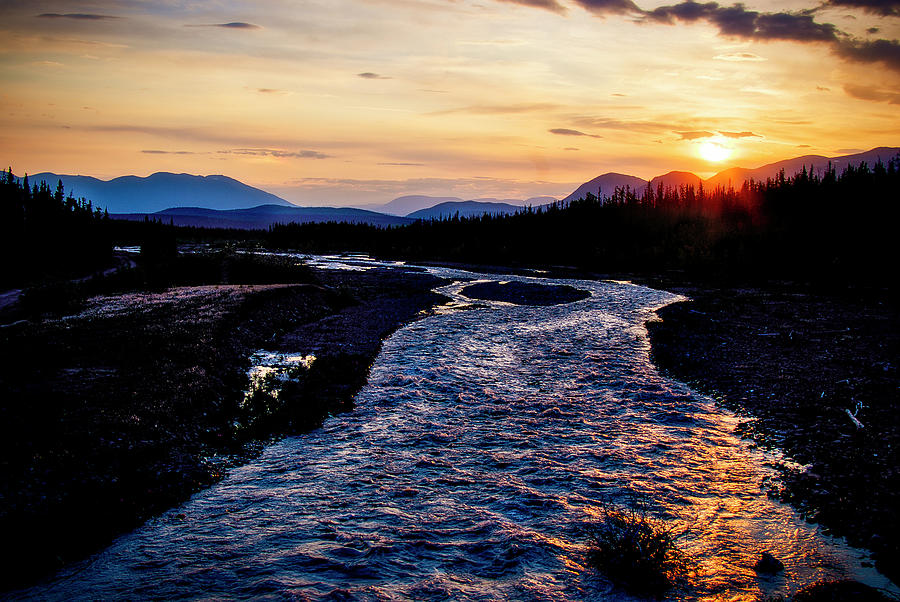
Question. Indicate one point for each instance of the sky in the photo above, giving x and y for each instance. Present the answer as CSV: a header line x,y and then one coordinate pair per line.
x,y
355,102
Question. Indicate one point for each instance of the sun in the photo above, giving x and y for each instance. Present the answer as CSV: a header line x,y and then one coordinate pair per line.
x,y
714,152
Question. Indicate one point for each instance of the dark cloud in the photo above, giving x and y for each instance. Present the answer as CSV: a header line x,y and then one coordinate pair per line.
x,y
237,25
610,7
403,164
886,52
370,75
739,134
873,30
551,5
568,132
271,91
879,7
571,148
281,154
738,21
77,16
165,152
870,93
823,89
695,134
232,25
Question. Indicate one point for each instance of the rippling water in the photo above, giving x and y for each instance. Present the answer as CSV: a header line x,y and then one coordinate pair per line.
x,y
484,441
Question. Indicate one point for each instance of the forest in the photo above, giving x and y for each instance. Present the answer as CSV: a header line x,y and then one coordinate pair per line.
x,y
826,227
46,233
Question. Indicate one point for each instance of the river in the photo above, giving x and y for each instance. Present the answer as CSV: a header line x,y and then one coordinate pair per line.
x,y
485,440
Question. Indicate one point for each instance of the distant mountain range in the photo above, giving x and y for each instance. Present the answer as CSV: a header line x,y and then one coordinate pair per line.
x,y
736,176
408,205
464,209
263,216
162,190
220,201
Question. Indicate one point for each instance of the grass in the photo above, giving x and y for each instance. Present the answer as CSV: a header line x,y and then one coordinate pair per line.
x,y
634,550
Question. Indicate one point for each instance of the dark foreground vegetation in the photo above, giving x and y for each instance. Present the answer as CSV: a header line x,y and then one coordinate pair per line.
x,y
116,407
636,551
44,232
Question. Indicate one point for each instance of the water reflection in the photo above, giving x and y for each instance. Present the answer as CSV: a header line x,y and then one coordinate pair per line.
x,y
484,442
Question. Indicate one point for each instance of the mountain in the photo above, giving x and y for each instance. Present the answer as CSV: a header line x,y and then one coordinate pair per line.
x,y
134,194
464,209
606,184
676,179
736,176
263,216
405,205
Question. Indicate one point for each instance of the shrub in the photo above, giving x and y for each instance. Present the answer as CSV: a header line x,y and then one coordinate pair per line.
x,y
634,550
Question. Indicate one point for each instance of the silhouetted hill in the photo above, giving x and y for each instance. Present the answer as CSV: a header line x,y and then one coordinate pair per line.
x,y
676,179
134,194
405,205
464,209
606,184
263,216
736,176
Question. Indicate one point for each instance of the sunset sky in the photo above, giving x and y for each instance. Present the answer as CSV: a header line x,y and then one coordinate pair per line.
x,y
359,101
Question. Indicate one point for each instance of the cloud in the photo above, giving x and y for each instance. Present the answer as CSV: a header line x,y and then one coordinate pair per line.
x,y
695,134
870,93
568,132
370,75
231,25
876,51
739,57
607,123
738,21
165,152
271,91
403,164
571,148
237,25
823,89
76,16
879,7
551,5
610,7
281,154
500,109
740,134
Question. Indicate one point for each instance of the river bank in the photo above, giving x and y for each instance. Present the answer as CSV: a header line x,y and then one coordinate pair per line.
x,y
123,409
815,376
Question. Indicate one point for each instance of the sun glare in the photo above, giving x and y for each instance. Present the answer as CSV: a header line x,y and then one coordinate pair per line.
x,y
712,151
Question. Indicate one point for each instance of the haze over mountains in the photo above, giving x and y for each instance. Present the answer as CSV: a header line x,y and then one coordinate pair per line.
x,y
220,201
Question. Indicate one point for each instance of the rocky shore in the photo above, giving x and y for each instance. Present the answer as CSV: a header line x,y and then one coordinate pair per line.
x,y
126,407
816,376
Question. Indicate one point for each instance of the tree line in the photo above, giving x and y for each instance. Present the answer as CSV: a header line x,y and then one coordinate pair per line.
x,y
47,232
826,226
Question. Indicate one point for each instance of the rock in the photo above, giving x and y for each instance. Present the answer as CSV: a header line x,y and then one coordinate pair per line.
x,y
768,564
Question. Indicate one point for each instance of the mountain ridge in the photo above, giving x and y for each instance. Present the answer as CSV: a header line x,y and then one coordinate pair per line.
x,y
162,190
